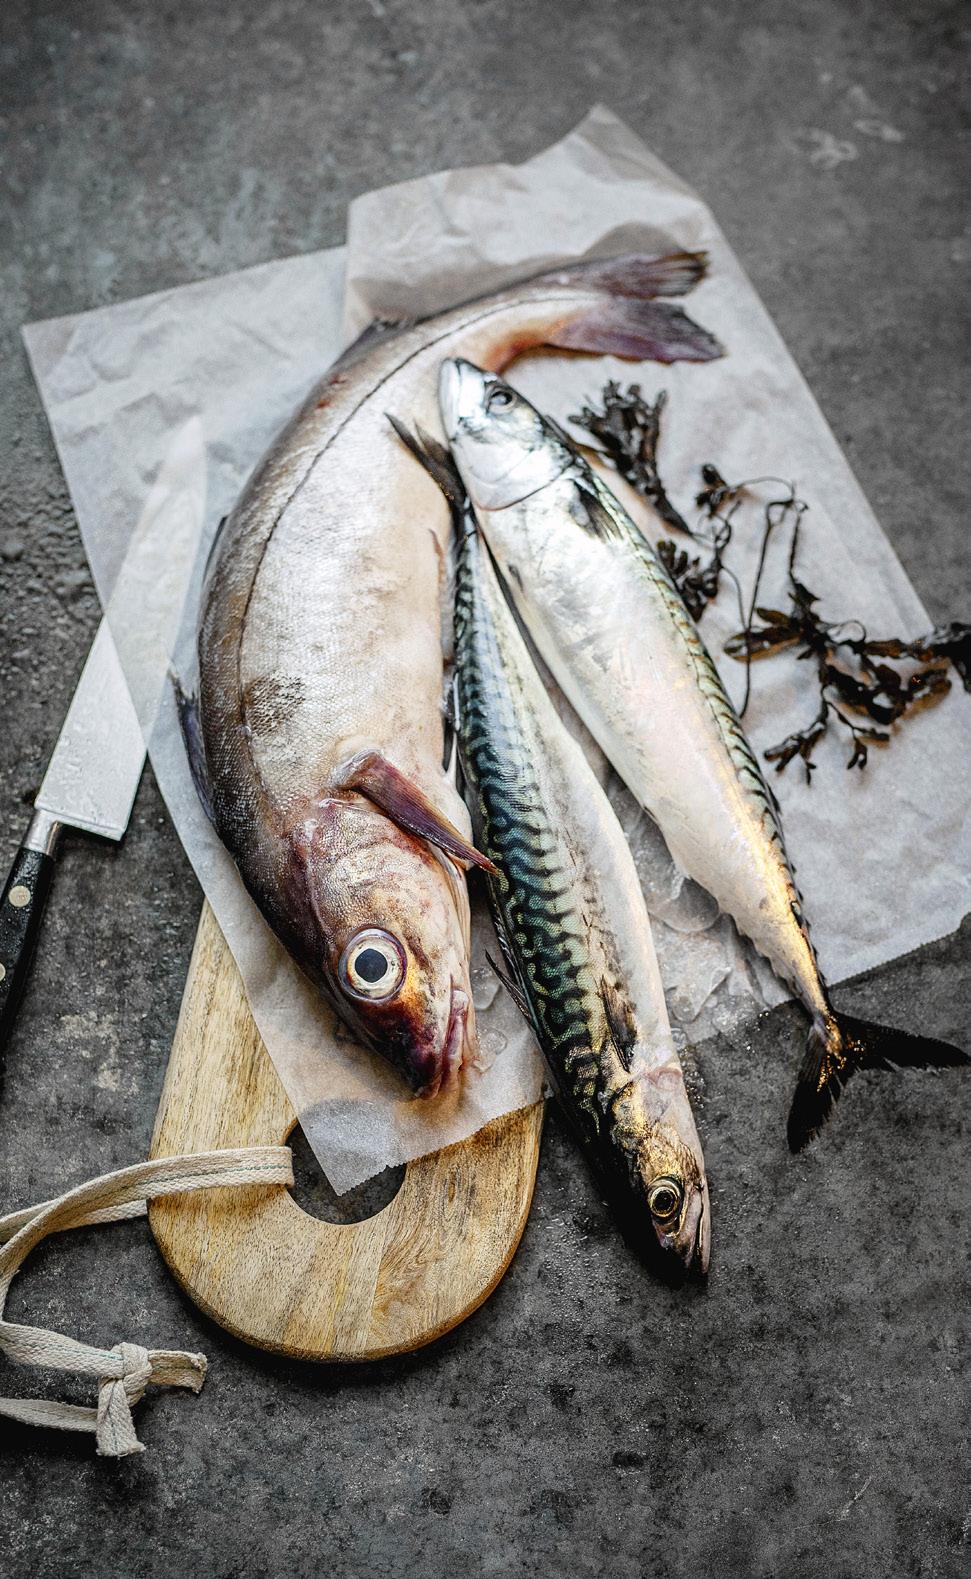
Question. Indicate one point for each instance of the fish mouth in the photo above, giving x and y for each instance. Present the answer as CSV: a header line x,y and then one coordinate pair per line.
x,y
450,394
462,391
456,1050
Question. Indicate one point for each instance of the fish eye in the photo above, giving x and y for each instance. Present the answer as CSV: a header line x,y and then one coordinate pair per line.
x,y
372,965
500,399
665,1198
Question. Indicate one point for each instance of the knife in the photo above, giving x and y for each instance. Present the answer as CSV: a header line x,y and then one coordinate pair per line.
x,y
90,784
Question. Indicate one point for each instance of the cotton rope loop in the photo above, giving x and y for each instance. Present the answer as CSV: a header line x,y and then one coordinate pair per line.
x,y
124,1371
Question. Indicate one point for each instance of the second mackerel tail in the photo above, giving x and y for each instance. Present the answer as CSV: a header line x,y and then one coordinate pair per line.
x,y
838,1046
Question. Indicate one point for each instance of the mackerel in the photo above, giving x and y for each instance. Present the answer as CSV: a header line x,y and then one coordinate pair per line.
x,y
619,641
572,923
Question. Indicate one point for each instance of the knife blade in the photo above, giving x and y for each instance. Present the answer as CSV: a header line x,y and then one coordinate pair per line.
x,y
90,784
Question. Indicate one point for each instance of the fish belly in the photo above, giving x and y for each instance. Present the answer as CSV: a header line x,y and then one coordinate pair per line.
x,y
622,647
342,647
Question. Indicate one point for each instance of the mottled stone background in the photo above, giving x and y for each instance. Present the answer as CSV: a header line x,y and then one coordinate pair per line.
x,y
805,1416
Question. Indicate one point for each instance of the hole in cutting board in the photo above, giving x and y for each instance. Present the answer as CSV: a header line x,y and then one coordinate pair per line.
x,y
313,1193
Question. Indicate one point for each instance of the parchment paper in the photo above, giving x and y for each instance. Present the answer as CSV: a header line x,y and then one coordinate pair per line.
x,y
160,407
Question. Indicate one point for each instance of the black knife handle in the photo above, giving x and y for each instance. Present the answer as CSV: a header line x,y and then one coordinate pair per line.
x,y
21,908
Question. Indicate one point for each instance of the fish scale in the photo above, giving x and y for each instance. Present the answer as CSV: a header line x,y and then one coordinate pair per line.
x,y
572,923
542,927
534,890
710,685
709,681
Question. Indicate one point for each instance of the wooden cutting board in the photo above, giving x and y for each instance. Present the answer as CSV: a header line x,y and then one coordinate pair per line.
x,y
259,1265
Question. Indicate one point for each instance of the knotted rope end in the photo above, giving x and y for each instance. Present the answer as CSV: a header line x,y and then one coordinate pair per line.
x,y
131,1370
123,1372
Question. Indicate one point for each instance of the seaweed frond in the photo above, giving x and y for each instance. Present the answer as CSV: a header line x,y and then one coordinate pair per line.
x,y
866,686
629,431
850,678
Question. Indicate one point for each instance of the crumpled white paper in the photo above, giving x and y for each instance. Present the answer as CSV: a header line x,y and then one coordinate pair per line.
x,y
160,407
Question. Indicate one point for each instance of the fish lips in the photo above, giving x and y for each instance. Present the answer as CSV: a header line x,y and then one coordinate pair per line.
x,y
452,1059
439,1073
457,378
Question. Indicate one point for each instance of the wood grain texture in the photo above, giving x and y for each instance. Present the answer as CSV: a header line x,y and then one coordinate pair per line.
x,y
271,1274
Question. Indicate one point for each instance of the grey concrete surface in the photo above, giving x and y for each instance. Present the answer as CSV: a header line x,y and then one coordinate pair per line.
x,y
806,1415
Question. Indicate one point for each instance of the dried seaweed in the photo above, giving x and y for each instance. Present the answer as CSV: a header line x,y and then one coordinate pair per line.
x,y
850,677
629,431
951,642
866,685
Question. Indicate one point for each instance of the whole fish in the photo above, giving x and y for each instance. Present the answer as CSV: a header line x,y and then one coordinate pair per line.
x,y
317,742
572,923
619,641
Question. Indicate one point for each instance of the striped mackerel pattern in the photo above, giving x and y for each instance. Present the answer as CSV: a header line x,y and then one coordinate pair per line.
x,y
548,940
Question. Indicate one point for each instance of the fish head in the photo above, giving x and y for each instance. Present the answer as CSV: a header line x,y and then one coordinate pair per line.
x,y
673,1186
385,932
662,1194
504,449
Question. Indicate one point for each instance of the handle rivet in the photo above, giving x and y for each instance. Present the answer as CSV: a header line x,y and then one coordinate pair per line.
x,y
19,896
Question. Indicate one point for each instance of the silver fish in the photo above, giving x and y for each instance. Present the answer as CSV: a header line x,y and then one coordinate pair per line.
x,y
571,919
317,742
619,641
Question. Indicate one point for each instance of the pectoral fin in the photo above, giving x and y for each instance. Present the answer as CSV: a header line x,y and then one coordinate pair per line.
x,y
620,1018
399,798
513,988
377,330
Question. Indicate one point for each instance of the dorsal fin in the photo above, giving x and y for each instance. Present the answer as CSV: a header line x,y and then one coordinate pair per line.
x,y
512,978
512,987
377,330
187,708
436,459
214,544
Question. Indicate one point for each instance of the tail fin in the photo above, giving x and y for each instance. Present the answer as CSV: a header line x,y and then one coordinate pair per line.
x,y
638,330
836,1048
634,274
629,322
